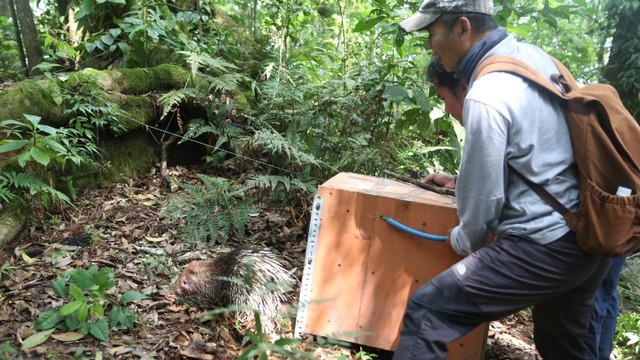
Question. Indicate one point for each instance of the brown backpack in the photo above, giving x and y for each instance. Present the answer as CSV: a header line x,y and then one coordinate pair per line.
x,y
606,145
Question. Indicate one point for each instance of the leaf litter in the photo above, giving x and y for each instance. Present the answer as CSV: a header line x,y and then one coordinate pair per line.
x,y
120,227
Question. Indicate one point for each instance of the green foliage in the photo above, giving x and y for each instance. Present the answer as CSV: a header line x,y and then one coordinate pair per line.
x,y
364,355
261,347
36,144
627,336
6,350
6,270
628,285
90,111
212,212
9,57
14,184
90,306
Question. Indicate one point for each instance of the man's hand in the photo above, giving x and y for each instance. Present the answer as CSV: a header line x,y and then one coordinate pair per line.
x,y
442,180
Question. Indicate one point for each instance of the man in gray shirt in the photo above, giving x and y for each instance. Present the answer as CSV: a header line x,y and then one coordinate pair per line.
x,y
534,259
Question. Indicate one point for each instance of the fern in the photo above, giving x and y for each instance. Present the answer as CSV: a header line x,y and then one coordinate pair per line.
x,y
226,82
6,195
27,183
273,182
225,131
197,61
211,212
277,145
174,97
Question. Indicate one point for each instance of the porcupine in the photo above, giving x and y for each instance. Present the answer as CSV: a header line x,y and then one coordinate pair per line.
x,y
250,277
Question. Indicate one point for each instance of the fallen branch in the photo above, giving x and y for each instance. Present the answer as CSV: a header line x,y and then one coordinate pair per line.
x,y
435,189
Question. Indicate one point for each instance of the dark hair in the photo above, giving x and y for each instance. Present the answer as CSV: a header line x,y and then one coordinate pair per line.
x,y
481,22
439,76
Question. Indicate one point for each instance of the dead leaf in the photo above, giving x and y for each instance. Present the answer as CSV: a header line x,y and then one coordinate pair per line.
x,y
68,336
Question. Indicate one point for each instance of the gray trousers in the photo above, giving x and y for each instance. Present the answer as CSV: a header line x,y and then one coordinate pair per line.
x,y
558,279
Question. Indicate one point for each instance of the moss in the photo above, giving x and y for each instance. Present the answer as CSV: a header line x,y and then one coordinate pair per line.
x,y
171,76
137,111
127,157
29,97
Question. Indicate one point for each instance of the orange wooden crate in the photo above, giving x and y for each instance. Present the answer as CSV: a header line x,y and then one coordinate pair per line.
x,y
357,284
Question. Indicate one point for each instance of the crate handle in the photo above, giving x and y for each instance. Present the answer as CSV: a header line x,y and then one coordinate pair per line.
x,y
412,231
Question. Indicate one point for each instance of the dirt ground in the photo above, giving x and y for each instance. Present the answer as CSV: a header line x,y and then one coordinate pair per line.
x,y
120,227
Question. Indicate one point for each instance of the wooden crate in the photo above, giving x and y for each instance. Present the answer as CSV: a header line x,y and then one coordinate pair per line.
x,y
357,284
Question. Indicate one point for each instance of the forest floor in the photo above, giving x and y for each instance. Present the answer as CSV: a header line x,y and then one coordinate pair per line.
x,y
120,227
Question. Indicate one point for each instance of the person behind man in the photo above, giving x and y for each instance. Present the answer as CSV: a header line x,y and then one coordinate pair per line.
x,y
602,328
599,339
534,260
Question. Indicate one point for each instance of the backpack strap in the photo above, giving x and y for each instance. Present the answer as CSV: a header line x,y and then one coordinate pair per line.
x,y
542,193
565,81
515,66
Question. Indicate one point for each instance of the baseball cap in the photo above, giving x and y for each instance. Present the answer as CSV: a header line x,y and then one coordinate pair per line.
x,y
430,11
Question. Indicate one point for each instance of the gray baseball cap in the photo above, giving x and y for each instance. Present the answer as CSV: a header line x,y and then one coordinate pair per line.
x,y
430,11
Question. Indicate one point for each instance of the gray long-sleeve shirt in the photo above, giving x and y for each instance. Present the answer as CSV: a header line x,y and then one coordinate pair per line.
x,y
510,120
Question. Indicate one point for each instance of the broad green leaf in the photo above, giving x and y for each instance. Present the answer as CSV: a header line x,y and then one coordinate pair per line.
x,y
107,39
131,296
396,92
47,320
10,145
24,158
46,129
33,119
83,312
55,146
100,330
60,288
97,310
422,100
367,24
76,292
6,123
40,155
104,279
69,308
121,316
36,339
83,279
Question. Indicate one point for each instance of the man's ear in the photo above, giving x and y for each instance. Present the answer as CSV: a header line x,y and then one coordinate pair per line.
x,y
463,27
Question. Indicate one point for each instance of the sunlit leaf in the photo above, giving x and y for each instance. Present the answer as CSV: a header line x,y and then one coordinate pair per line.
x,y
11,145
100,330
131,296
36,339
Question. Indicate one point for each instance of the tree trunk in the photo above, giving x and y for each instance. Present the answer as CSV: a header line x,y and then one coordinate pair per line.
x,y
23,58
30,39
622,68
4,8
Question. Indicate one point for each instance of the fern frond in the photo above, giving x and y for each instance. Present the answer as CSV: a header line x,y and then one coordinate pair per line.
x,y
213,211
174,97
226,82
30,184
6,195
272,182
276,144
196,61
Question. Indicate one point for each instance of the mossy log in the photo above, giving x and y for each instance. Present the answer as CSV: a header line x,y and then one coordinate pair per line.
x,y
129,155
129,89
13,218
